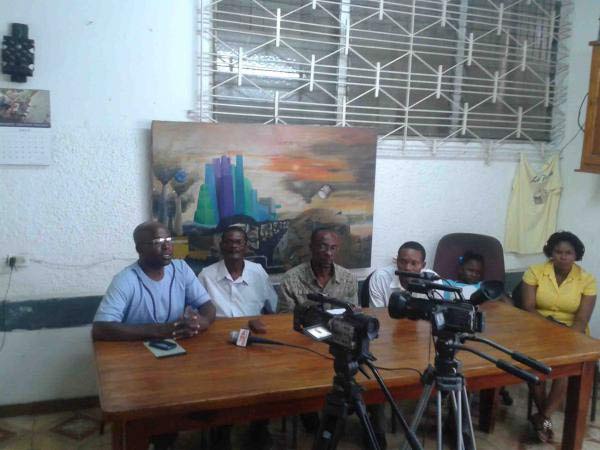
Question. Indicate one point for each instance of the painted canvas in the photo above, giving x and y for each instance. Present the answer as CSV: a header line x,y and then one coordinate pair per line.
x,y
278,181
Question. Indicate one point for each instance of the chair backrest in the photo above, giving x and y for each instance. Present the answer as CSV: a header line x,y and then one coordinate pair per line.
x,y
453,246
516,295
364,298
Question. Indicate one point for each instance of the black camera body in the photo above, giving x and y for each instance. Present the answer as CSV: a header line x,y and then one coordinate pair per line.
x,y
453,316
351,331
445,315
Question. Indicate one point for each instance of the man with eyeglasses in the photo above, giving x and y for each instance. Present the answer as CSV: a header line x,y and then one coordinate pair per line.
x,y
154,298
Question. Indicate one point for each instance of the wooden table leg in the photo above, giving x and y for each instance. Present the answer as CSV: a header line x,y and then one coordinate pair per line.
x,y
136,436
117,436
488,406
578,400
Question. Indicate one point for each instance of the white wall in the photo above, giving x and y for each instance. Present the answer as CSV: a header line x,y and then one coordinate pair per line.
x,y
111,68
114,66
580,203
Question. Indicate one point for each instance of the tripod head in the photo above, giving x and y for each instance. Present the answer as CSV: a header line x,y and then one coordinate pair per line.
x,y
346,364
448,343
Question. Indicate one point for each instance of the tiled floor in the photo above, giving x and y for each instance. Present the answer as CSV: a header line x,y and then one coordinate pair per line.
x,y
77,430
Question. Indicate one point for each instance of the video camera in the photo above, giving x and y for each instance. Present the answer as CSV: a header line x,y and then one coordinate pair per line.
x,y
350,330
454,315
457,315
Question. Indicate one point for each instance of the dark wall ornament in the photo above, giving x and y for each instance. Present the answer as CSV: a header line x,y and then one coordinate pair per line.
x,y
18,54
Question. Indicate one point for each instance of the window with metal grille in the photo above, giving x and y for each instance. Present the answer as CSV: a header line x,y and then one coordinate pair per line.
x,y
425,71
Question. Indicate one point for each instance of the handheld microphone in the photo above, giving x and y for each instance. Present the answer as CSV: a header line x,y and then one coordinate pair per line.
x,y
234,335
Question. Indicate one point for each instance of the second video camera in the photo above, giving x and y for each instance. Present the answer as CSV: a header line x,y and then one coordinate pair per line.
x,y
457,315
444,315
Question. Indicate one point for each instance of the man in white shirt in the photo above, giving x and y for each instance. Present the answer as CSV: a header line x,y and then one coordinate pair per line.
x,y
238,287
411,258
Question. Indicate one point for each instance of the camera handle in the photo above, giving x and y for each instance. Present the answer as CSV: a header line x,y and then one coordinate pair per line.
x,y
519,357
501,364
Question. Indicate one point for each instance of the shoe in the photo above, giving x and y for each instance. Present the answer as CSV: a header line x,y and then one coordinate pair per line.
x,y
542,426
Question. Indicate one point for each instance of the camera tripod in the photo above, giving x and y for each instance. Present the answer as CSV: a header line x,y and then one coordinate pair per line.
x,y
446,377
345,398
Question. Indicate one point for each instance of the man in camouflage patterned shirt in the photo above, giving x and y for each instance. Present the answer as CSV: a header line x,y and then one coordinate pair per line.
x,y
319,275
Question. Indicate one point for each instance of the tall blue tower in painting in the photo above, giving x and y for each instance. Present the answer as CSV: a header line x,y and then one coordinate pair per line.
x,y
227,192
240,199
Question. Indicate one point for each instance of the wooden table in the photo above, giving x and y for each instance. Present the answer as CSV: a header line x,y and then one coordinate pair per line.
x,y
219,383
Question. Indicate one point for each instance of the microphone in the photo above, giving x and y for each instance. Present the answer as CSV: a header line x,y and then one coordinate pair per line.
x,y
234,338
425,275
489,290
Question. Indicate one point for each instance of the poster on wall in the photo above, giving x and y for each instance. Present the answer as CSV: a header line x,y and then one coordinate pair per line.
x,y
25,108
280,182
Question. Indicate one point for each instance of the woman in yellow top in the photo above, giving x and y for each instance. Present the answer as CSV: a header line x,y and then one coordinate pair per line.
x,y
562,291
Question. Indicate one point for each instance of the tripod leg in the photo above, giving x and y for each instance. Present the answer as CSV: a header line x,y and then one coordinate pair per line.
x,y
361,412
459,422
440,442
468,418
420,410
411,438
456,405
462,411
332,423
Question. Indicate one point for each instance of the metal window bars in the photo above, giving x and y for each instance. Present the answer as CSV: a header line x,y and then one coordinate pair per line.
x,y
481,79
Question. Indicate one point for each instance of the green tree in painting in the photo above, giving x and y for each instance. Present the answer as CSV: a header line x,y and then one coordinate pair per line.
x,y
180,183
164,173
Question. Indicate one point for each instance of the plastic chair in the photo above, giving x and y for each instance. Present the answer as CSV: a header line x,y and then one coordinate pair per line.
x,y
364,297
453,246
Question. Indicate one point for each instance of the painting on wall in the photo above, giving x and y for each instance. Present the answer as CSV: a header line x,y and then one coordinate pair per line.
x,y
280,182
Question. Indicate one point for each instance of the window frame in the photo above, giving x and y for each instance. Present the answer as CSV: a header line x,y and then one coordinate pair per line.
x,y
405,145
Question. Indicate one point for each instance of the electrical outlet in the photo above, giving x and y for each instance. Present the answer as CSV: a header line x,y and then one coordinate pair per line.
x,y
15,261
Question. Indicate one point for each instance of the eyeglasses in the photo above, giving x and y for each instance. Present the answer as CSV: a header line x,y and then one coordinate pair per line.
x,y
159,242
